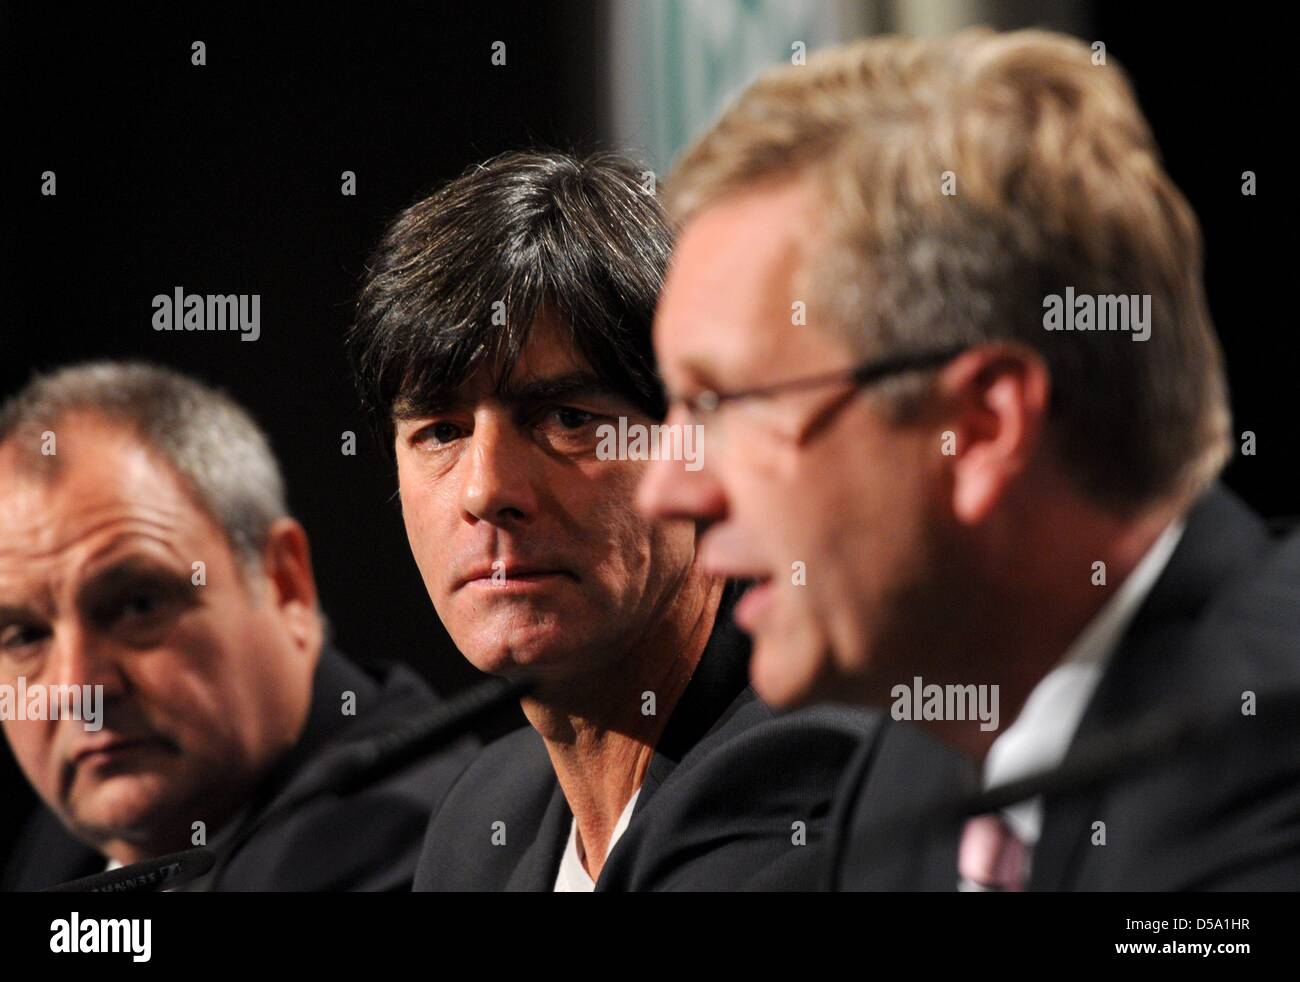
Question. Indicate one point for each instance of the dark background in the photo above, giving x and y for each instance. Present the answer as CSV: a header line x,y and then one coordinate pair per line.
x,y
226,178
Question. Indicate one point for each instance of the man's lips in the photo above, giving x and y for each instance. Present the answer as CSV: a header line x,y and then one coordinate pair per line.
x,y
727,564
520,576
755,602
99,751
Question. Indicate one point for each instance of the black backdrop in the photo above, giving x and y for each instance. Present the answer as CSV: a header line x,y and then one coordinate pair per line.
x,y
226,178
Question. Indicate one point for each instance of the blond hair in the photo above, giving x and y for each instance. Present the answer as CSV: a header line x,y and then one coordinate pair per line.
x,y
1058,182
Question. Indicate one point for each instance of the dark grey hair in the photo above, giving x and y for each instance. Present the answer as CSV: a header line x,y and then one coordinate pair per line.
x,y
459,278
211,443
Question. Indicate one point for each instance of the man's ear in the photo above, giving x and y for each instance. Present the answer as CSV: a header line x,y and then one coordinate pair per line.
x,y
995,400
286,559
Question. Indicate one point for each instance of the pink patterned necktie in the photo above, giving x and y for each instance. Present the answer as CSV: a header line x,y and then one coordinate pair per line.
x,y
991,856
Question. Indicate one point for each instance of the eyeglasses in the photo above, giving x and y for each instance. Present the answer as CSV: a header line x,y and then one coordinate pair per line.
x,y
703,408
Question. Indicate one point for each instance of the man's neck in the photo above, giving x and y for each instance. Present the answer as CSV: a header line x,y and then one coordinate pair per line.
x,y
600,732
221,817
1040,611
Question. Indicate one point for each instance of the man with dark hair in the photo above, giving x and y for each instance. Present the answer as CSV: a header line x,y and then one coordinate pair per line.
x,y
502,337
461,276
148,560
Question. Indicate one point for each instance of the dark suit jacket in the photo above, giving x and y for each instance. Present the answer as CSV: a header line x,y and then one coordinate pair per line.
x,y
727,783
1223,619
365,839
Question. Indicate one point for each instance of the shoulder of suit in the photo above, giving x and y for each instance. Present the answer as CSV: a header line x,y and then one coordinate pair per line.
x,y
508,773
320,798
45,853
1243,640
388,691
753,732
519,749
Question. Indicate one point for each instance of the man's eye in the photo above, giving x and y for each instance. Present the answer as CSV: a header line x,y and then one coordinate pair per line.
x,y
572,419
440,433
136,607
141,604
14,636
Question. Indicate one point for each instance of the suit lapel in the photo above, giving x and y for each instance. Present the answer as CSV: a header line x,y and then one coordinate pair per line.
x,y
537,868
720,677
718,687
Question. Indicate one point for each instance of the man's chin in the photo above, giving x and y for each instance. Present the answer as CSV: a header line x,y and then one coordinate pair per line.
x,y
787,676
123,806
542,656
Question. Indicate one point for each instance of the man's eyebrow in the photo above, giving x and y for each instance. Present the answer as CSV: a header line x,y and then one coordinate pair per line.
x,y
569,385
127,570
408,408
566,386
698,373
19,614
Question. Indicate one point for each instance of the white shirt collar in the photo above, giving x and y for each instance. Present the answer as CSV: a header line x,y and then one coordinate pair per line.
x,y
1042,732
572,877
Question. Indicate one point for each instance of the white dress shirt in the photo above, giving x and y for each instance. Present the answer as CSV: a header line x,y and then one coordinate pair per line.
x,y
1041,734
572,877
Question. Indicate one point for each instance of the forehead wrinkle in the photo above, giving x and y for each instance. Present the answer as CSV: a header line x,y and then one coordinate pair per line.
x,y
83,568
158,534
83,524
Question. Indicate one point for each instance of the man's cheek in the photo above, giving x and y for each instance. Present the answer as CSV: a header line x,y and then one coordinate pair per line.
x,y
433,564
192,709
32,744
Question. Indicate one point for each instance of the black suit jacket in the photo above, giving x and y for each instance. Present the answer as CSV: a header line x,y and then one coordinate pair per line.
x,y
718,808
1222,620
363,839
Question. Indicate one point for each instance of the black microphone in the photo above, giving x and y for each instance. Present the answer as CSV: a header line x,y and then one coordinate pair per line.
x,y
408,742
164,872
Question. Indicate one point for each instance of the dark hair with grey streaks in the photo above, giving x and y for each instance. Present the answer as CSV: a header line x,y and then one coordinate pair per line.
x,y
522,232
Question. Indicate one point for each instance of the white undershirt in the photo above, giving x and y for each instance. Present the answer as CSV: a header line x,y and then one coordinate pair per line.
x,y
572,877
1042,732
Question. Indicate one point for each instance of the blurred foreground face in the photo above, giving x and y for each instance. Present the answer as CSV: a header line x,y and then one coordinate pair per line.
x,y
530,546
204,686
813,494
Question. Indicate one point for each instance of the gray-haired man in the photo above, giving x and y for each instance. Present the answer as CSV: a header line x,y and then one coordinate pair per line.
x,y
147,556
1009,519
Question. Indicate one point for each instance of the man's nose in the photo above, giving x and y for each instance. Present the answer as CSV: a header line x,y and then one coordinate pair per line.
x,y
679,489
498,488
82,656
